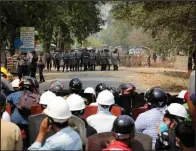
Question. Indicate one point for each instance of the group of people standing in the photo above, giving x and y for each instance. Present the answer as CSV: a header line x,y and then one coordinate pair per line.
x,y
83,59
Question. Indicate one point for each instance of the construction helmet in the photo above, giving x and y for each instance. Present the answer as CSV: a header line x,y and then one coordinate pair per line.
x,y
15,83
182,94
123,127
4,73
90,90
46,97
75,102
176,111
105,98
75,85
58,110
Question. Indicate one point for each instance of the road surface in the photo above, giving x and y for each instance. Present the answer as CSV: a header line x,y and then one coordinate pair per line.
x,y
90,78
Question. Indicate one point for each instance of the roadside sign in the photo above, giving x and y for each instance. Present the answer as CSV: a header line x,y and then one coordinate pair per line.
x,y
17,42
27,36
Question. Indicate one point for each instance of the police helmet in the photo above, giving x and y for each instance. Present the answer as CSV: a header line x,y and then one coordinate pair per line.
x,y
123,127
75,85
156,97
100,87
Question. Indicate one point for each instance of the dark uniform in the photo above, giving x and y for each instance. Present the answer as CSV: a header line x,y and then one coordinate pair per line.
x,y
41,67
71,60
48,60
92,60
33,64
65,61
103,61
149,61
115,59
57,59
108,59
77,60
85,58
155,57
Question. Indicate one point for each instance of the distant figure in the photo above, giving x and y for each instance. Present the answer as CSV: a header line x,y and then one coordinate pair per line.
x,y
149,61
41,67
154,57
48,60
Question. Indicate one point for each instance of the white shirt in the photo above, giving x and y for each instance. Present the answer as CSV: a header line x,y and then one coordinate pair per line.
x,y
6,116
102,121
65,139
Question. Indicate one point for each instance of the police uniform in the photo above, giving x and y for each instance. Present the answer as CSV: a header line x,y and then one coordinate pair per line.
x,y
115,59
109,61
77,60
23,65
103,61
57,58
92,60
85,58
66,61
71,60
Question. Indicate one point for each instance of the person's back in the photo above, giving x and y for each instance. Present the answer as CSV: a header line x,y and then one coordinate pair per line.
x,y
11,138
101,121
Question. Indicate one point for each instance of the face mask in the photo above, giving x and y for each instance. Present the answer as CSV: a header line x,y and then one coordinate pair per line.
x,y
100,108
163,127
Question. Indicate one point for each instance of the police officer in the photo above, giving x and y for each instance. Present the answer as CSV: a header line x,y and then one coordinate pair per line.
x,y
77,107
77,60
148,121
108,58
75,86
71,60
48,60
23,64
105,99
124,132
65,61
81,61
57,59
85,57
103,60
92,60
115,59
33,64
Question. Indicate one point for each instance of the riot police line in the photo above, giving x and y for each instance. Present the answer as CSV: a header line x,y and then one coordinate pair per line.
x,y
100,118
86,60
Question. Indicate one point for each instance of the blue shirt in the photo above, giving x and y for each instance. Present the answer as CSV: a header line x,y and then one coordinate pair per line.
x,y
148,122
16,117
65,139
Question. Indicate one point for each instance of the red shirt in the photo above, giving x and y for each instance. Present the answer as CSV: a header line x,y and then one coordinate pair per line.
x,y
117,145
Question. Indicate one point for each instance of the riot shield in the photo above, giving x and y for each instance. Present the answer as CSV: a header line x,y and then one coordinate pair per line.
x,y
99,141
141,142
79,126
138,100
34,125
125,101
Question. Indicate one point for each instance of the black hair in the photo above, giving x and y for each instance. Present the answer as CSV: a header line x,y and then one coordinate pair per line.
x,y
61,125
186,134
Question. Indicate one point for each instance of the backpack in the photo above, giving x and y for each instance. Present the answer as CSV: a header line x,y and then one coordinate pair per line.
x,y
26,101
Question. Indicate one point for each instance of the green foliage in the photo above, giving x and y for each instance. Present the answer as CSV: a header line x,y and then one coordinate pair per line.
x,y
51,19
172,24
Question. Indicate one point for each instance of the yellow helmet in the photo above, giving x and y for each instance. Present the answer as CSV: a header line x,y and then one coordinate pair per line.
x,y
4,73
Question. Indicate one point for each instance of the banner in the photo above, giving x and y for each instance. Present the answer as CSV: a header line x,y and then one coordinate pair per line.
x,y
27,36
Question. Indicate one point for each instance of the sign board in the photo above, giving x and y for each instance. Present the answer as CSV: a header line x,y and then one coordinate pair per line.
x,y
27,36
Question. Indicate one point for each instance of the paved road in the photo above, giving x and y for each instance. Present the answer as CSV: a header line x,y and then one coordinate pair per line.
x,y
89,78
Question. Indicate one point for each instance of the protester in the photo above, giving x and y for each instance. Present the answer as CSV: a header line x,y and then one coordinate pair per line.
x,y
11,138
124,132
103,120
64,138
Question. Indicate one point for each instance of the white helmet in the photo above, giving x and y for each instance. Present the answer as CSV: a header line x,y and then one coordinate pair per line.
x,y
105,97
181,94
177,109
58,110
75,102
15,83
90,90
46,97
